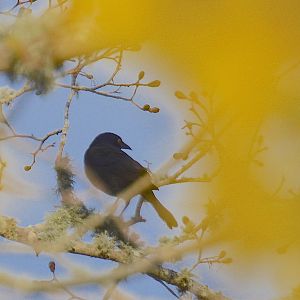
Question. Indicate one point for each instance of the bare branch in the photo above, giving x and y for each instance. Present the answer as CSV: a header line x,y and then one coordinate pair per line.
x,y
2,167
11,231
9,98
66,119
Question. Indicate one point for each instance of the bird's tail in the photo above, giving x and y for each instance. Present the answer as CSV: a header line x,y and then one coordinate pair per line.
x,y
164,214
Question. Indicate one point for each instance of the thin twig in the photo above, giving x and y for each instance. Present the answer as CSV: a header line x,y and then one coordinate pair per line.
x,y
137,218
109,291
40,147
72,295
8,99
65,128
101,93
165,286
2,167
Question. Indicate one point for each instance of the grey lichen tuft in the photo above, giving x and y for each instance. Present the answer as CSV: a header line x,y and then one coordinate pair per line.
x,y
30,53
57,223
8,228
41,77
117,228
129,252
105,243
184,280
65,175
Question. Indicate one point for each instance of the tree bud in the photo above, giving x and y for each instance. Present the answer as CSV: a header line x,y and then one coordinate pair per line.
x,y
155,83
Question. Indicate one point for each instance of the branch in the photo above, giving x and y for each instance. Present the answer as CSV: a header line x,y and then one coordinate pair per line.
x,y
41,149
112,95
151,267
66,119
11,96
32,137
173,178
2,167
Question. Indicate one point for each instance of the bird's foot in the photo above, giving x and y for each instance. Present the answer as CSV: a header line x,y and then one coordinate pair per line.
x,y
112,209
135,220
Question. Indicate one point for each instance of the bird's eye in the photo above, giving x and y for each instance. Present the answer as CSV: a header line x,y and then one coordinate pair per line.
x,y
119,141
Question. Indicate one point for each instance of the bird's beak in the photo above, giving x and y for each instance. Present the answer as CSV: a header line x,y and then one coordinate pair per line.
x,y
125,146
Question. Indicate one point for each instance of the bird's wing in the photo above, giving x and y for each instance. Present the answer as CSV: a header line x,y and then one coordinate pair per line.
x,y
115,168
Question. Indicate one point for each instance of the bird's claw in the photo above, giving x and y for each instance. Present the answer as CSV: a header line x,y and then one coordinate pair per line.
x,y
136,219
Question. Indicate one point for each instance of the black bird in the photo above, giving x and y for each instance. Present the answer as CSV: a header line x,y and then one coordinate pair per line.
x,y
112,171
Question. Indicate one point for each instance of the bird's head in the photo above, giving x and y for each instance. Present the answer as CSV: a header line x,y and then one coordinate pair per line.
x,y
109,139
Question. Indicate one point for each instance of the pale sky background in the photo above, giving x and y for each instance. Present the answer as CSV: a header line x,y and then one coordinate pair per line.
x,y
153,137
